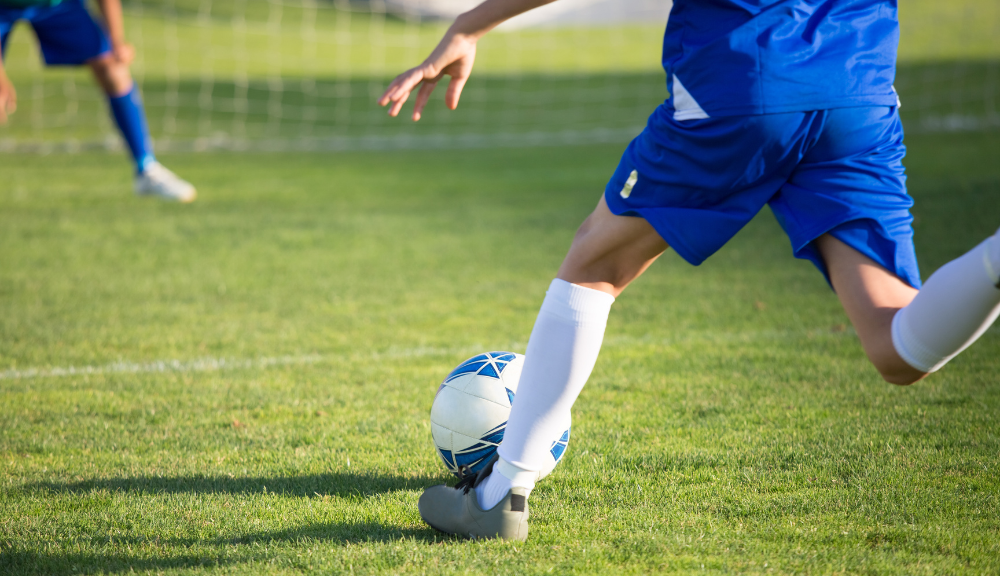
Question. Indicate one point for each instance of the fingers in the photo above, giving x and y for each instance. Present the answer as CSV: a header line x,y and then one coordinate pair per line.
x,y
453,57
454,91
400,88
399,91
422,97
398,104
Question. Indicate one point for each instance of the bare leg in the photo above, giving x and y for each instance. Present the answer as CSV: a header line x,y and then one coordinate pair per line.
x,y
609,251
111,74
871,296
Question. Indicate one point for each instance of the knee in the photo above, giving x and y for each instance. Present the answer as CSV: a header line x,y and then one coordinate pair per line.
x,y
588,267
896,371
113,76
900,379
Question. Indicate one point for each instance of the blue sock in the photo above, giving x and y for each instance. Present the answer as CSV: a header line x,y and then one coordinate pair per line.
x,y
131,119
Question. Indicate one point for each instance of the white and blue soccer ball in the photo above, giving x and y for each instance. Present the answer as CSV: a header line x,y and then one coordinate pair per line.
x,y
471,409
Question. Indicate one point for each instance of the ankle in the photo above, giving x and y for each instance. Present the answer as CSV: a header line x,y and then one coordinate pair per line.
x,y
517,476
504,478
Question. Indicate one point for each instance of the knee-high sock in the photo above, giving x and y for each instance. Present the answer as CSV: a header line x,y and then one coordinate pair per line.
x,y
956,305
131,120
561,354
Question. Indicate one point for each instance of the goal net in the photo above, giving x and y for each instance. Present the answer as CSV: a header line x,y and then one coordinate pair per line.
x,y
304,74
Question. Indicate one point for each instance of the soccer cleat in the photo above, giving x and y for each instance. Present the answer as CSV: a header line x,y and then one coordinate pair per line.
x,y
157,180
456,510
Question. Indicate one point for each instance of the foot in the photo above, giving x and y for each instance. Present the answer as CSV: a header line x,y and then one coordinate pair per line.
x,y
157,180
456,510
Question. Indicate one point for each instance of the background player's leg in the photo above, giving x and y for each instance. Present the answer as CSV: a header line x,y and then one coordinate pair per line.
x,y
608,252
126,106
152,178
907,334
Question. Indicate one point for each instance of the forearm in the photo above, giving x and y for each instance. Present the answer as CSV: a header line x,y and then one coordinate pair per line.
x,y
112,12
490,14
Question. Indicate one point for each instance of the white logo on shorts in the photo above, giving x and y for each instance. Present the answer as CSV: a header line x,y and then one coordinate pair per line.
x,y
627,188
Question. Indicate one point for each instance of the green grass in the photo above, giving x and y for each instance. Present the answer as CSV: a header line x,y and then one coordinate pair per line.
x,y
732,423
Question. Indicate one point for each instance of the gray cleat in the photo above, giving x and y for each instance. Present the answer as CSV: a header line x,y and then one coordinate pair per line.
x,y
456,510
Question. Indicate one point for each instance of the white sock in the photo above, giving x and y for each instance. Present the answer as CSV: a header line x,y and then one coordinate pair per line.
x,y
956,305
561,354
504,477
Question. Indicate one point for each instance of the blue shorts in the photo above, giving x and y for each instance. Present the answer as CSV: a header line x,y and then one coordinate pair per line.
x,y
840,171
67,33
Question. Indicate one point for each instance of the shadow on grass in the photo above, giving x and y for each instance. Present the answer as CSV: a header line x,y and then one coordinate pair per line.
x,y
155,555
342,484
158,554
32,562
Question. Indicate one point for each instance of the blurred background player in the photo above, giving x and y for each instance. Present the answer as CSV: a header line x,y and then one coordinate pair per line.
x,y
68,35
784,103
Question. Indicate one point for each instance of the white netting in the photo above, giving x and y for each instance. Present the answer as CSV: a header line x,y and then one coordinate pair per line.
x,y
304,74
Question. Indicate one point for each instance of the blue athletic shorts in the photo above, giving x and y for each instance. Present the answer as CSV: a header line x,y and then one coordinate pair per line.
x,y
698,182
67,33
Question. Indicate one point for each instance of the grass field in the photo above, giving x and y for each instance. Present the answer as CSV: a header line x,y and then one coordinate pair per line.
x,y
242,385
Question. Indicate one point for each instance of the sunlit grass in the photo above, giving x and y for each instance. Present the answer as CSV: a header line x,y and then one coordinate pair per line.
x,y
254,374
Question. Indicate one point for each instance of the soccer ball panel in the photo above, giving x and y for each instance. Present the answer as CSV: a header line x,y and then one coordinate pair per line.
x,y
490,389
470,412
511,374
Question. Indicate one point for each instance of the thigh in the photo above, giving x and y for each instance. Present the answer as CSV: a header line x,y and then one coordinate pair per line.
x,y
68,34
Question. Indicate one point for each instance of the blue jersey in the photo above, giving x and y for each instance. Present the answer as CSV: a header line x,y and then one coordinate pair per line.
x,y
745,57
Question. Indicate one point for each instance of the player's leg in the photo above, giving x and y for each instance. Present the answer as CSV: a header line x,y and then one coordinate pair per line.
x,y
607,253
908,334
152,178
115,79
648,204
871,297
850,187
69,36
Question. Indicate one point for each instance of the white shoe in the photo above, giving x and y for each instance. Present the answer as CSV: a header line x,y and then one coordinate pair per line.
x,y
157,180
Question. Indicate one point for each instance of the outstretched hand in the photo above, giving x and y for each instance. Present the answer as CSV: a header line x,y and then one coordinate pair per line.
x,y
453,57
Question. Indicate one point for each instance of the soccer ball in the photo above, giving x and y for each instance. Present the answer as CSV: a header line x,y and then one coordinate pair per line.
x,y
470,413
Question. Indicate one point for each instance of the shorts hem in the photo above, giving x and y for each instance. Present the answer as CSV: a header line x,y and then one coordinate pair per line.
x,y
673,240
76,61
803,250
